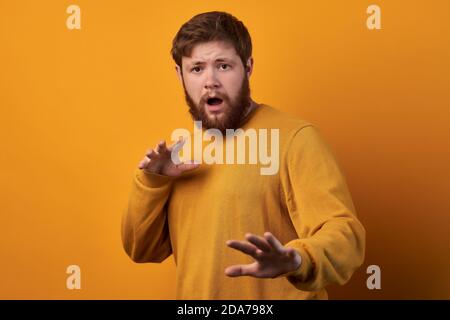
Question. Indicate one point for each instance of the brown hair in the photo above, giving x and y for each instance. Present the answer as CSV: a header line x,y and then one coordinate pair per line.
x,y
212,26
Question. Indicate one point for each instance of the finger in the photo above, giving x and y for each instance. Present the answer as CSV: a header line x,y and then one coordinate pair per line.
x,y
244,247
151,154
144,163
241,270
161,147
274,242
259,242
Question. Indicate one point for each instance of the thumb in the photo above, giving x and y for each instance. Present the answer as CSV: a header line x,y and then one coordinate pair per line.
x,y
291,252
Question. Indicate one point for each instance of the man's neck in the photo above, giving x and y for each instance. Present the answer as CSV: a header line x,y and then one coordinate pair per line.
x,y
253,106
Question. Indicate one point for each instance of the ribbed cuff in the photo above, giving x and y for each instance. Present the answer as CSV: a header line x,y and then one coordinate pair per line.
x,y
303,272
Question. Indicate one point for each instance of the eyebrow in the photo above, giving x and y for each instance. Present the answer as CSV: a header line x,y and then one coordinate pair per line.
x,y
198,62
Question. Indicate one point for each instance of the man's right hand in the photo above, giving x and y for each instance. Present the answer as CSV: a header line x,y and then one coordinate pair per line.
x,y
159,161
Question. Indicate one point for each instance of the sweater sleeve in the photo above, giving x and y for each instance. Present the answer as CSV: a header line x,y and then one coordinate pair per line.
x,y
145,233
331,240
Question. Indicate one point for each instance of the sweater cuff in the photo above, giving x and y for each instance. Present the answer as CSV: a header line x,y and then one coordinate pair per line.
x,y
152,180
306,268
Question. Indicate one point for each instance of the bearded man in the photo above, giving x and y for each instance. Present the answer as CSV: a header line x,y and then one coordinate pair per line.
x,y
234,233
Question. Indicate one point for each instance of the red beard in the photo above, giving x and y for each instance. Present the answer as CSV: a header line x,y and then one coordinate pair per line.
x,y
232,116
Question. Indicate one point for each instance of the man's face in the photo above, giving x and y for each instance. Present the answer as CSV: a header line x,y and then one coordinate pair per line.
x,y
216,85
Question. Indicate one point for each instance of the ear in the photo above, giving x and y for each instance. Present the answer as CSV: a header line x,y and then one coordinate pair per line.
x,y
179,73
249,67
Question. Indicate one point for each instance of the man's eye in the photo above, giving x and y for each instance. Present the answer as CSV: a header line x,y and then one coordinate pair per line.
x,y
224,66
196,69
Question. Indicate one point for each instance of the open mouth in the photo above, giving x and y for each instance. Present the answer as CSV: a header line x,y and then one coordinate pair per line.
x,y
214,101
214,105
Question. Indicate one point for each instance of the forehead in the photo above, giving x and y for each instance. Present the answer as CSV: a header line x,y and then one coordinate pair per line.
x,y
210,51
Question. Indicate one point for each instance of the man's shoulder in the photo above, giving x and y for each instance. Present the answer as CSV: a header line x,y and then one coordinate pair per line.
x,y
275,118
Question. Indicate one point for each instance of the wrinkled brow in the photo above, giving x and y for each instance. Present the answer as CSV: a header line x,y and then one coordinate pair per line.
x,y
201,62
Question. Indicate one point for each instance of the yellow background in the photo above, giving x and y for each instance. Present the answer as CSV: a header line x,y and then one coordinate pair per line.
x,y
79,109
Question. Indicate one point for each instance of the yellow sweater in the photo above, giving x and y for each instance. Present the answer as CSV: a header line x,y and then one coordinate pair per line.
x,y
307,206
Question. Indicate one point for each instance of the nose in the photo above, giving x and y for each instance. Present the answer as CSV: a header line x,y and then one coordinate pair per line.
x,y
211,81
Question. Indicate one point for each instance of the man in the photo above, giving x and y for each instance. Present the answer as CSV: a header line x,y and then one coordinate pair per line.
x,y
300,226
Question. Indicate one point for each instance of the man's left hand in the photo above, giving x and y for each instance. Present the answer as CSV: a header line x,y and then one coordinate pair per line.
x,y
271,257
